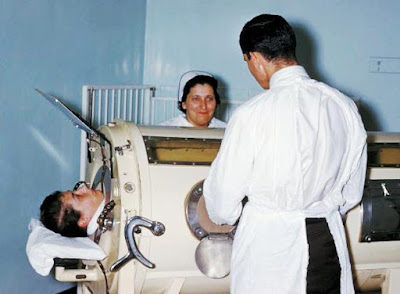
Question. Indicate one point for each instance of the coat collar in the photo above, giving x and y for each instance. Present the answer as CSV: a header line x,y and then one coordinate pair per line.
x,y
287,74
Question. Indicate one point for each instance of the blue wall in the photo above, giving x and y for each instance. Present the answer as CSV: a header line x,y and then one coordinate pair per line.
x,y
336,40
57,46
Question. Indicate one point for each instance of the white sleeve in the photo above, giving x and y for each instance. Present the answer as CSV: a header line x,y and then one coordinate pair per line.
x,y
216,123
353,190
226,184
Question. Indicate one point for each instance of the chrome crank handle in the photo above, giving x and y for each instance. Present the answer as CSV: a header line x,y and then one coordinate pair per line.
x,y
133,226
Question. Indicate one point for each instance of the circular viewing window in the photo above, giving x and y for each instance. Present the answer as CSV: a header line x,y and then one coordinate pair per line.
x,y
197,217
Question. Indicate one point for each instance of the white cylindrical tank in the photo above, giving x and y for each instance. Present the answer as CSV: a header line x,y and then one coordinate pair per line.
x,y
154,169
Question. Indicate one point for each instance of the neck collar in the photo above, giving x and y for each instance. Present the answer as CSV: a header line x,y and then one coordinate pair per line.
x,y
92,227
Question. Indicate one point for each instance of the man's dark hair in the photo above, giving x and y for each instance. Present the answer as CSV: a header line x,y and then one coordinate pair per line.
x,y
269,35
60,218
199,80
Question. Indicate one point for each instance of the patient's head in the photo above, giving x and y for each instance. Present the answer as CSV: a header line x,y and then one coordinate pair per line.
x,y
69,213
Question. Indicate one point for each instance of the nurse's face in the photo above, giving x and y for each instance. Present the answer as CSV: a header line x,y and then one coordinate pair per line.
x,y
84,200
200,105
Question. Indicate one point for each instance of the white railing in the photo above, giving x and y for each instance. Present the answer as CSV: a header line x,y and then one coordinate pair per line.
x,y
103,104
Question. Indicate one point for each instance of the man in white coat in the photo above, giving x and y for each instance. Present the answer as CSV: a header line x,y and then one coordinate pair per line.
x,y
298,152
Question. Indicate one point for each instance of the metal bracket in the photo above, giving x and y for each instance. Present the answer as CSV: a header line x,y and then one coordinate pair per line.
x,y
120,149
133,226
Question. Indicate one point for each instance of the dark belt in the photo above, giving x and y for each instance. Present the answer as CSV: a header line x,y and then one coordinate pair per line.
x,y
315,220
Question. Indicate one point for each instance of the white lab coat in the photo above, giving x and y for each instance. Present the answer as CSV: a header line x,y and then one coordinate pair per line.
x,y
296,150
181,121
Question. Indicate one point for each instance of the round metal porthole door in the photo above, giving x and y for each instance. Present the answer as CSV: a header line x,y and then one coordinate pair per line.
x,y
213,254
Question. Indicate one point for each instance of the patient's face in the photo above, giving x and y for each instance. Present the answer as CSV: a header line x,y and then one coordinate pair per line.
x,y
200,105
84,200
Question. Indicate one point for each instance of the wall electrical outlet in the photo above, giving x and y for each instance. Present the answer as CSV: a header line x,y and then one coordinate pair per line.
x,y
384,64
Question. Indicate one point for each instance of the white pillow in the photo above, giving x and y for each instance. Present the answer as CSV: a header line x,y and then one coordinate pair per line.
x,y
44,245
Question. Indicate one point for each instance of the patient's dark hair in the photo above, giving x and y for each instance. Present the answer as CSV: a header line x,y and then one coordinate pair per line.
x,y
269,35
60,218
199,80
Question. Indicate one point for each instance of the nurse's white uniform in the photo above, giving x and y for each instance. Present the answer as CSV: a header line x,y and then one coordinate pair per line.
x,y
296,150
181,121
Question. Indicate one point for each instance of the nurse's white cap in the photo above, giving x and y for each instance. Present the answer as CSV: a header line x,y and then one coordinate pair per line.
x,y
187,76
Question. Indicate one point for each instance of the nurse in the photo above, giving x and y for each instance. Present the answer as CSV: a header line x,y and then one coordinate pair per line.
x,y
197,99
298,152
